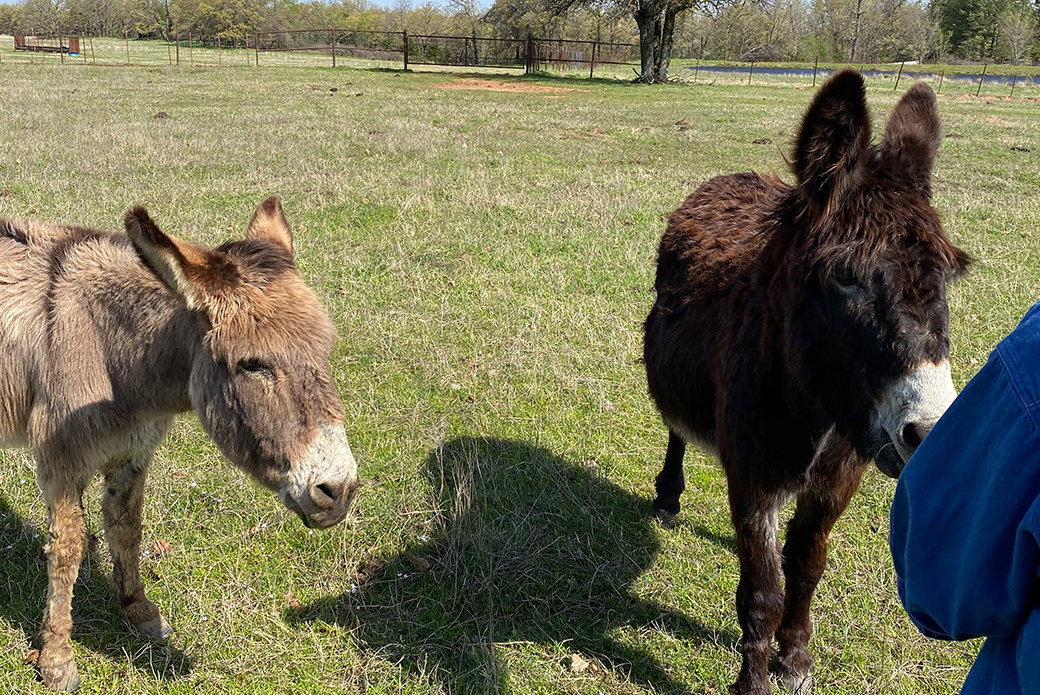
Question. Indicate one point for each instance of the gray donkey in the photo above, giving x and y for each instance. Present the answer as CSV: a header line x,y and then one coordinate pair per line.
x,y
104,338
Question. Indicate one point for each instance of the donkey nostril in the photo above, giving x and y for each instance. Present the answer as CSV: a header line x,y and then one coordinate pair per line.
x,y
328,491
913,434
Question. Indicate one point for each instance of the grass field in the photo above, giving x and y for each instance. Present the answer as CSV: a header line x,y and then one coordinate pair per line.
x,y
487,258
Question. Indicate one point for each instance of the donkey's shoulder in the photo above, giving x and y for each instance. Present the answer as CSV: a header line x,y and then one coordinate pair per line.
x,y
720,228
725,208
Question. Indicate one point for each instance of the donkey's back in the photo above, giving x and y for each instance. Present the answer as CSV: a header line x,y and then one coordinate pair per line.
x,y
53,279
706,258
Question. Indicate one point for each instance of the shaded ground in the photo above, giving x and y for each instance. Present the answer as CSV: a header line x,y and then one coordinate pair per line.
x,y
530,548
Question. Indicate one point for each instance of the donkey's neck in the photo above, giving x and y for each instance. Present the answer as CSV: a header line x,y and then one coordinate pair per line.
x,y
149,340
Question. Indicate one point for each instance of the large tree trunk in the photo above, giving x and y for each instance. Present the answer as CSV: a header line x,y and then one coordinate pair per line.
x,y
656,22
645,16
664,57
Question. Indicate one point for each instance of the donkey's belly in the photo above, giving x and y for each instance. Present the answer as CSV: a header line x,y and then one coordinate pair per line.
x,y
703,439
13,440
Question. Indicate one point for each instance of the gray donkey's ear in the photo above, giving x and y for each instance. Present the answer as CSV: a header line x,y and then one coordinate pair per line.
x,y
194,273
269,224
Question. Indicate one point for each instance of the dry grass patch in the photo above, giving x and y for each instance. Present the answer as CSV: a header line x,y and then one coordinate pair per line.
x,y
499,86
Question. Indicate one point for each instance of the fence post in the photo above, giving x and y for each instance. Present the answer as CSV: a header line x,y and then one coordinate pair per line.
x,y
750,73
592,64
93,60
899,75
696,69
404,34
941,76
220,62
169,54
530,55
981,78
126,38
34,45
333,48
191,52
815,65
177,40
256,47
60,52
1014,79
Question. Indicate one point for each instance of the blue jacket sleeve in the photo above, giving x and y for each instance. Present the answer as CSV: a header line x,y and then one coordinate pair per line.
x,y
965,520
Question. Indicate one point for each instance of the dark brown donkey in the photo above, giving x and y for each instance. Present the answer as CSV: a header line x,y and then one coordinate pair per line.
x,y
105,337
799,332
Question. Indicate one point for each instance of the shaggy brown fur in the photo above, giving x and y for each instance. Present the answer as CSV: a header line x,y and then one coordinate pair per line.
x,y
800,331
99,351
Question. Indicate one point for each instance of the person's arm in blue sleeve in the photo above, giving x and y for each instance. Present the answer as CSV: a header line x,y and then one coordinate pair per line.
x,y
965,520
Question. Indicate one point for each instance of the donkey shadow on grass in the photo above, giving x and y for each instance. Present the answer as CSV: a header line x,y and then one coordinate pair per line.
x,y
526,548
99,623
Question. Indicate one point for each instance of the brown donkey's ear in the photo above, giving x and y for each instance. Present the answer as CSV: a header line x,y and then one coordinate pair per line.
x,y
912,138
832,145
269,224
195,274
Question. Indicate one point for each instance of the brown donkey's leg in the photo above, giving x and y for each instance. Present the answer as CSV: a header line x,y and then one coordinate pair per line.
x,y
833,481
64,550
122,505
670,482
759,598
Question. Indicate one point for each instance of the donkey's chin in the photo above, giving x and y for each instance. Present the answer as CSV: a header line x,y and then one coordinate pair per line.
x,y
889,461
293,506
314,516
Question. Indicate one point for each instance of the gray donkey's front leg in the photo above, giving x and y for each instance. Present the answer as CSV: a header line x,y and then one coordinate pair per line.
x,y
64,550
122,505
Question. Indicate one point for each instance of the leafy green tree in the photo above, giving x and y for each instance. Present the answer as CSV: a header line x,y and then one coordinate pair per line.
x,y
9,19
655,21
1017,29
974,26
44,17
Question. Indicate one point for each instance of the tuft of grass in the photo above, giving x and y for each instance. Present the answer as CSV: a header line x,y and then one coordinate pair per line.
x,y
487,259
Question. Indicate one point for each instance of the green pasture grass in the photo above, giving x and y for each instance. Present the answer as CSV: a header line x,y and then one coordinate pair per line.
x,y
487,258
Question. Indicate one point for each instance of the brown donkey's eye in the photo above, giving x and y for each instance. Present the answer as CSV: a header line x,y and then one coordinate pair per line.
x,y
255,367
845,279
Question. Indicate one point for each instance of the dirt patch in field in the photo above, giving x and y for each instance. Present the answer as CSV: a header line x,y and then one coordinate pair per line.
x,y
499,86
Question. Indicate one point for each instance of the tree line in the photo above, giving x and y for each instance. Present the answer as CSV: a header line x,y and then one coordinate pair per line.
x,y
848,31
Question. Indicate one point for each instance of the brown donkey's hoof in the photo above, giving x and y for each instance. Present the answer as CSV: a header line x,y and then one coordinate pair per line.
x,y
665,518
666,510
739,688
145,618
62,678
798,684
796,671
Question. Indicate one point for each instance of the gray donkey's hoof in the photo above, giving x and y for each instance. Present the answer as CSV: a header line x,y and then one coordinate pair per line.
x,y
62,678
156,629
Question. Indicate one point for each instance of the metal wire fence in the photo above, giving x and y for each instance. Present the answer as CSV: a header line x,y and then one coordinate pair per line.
x,y
335,47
